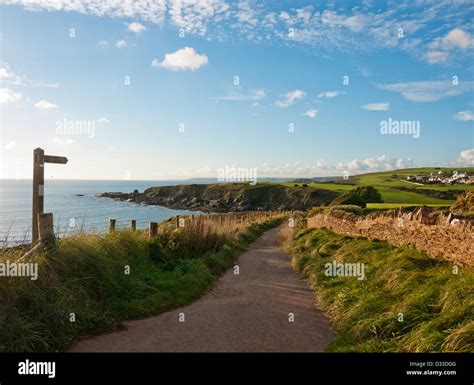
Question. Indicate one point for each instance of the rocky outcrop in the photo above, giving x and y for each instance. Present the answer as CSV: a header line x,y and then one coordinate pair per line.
x,y
228,197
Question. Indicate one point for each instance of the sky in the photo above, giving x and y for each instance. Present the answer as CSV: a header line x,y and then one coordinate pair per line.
x,y
172,89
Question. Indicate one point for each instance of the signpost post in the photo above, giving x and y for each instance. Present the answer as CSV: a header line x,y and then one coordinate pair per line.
x,y
39,159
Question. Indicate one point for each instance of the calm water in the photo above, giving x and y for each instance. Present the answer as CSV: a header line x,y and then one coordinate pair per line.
x,y
71,212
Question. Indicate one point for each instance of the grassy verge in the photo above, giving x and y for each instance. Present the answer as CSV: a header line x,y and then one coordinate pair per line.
x,y
86,277
408,301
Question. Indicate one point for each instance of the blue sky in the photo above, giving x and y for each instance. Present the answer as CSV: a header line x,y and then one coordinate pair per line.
x,y
135,73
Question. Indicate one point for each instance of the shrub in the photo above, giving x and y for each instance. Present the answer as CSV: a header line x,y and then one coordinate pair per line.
x,y
368,193
348,199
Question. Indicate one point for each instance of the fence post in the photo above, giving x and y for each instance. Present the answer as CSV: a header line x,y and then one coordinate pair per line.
x,y
38,189
134,225
112,225
46,228
177,221
152,229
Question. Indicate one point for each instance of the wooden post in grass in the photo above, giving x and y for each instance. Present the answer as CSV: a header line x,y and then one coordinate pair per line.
x,y
152,230
112,223
177,221
46,228
39,159
134,225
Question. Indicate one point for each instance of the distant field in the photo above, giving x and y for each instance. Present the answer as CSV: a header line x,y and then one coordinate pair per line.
x,y
397,205
388,184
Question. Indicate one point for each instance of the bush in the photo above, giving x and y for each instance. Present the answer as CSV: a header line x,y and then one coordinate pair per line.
x,y
348,199
368,193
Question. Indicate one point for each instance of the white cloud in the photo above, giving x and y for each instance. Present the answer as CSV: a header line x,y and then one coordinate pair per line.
x,y
7,76
457,38
240,96
466,116
311,113
149,10
10,145
195,15
377,106
45,105
355,23
382,163
290,97
103,44
466,157
136,28
120,43
9,96
103,120
345,28
66,141
319,167
441,47
183,59
434,57
330,94
429,91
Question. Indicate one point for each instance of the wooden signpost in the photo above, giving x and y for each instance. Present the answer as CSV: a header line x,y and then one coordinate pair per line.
x,y
39,159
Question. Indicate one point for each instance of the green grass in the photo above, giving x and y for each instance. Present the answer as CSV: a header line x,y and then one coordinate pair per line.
x,y
387,206
85,275
388,185
437,305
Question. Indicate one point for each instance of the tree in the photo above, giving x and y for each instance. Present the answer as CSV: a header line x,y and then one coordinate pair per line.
x,y
368,193
348,199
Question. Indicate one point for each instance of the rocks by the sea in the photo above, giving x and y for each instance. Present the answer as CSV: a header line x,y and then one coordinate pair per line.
x,y
229,197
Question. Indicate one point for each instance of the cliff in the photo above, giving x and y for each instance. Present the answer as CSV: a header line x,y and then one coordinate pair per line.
x,y
228,197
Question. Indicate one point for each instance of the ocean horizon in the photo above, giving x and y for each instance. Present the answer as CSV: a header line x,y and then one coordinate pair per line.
x,y
76,206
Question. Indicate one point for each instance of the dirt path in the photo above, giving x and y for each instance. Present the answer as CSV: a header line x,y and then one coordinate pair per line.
x,y
243,313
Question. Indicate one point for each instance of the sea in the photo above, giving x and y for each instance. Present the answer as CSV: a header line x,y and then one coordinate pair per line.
x,y
76,206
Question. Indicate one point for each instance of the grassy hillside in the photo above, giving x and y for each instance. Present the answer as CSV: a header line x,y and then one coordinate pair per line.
x,y
408,302
395,189
85,275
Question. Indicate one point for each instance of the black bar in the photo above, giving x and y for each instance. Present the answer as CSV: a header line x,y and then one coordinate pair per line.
x,y
313,368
